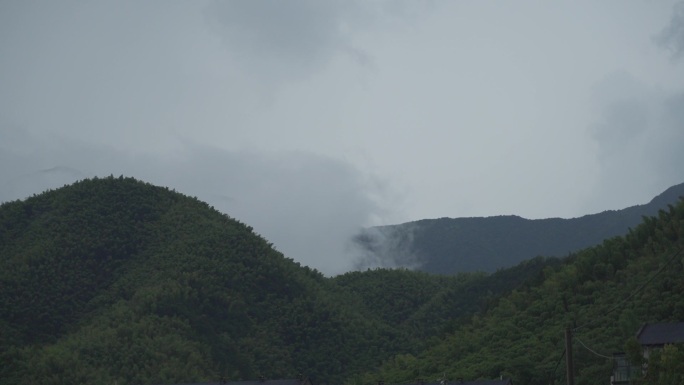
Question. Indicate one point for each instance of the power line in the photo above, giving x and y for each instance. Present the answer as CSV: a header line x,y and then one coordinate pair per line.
x,y
662,268
556,368
593,351
570,333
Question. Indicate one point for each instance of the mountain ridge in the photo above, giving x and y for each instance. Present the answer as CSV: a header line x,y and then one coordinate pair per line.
x,y
451,245
117,281
107,273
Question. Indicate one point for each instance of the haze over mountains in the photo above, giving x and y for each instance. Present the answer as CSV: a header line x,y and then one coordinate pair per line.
x,y
441,245
258,139
452,245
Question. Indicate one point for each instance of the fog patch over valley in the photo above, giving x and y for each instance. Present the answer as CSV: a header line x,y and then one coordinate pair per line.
x,y
385,247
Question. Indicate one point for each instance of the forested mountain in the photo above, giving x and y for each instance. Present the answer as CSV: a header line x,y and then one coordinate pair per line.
x,y
117,281
452,245
114,280
604,293
422,305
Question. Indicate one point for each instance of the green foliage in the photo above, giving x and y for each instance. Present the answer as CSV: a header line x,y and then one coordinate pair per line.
x,y
606,291
117,281
635,355
666,367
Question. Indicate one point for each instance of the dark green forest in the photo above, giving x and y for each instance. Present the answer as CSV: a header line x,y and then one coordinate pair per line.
x,y
603,294
113,280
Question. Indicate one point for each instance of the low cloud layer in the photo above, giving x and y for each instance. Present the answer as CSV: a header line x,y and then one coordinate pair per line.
x,y
672,37
348,113
309,206
286,41
384,247
640,134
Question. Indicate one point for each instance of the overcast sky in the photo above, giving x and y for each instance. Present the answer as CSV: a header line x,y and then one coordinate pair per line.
x,y
308,119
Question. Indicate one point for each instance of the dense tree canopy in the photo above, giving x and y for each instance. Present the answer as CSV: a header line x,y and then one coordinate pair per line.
x,y
115,280
604,293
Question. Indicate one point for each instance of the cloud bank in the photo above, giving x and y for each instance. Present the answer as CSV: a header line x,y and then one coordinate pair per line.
x,y
309,206
311,118
672,37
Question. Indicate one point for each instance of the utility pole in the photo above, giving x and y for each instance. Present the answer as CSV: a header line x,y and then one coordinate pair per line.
x,y
568,357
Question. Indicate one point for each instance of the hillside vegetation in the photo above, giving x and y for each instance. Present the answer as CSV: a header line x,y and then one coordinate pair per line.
x,y
117,281
603,293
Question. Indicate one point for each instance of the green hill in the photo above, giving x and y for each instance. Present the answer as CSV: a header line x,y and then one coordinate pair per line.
x,y
117,281
453,245
422,305
604,293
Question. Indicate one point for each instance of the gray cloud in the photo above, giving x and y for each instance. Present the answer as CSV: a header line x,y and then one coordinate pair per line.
x,y
640,134
463,100
308,205
672,37
667,146
625,112
276,40
384,247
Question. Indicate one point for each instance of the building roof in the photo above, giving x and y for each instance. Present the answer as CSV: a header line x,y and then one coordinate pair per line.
x,y
505,381
661,334
253,382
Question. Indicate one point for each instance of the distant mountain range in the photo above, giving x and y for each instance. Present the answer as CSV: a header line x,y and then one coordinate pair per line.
x,y
453,245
